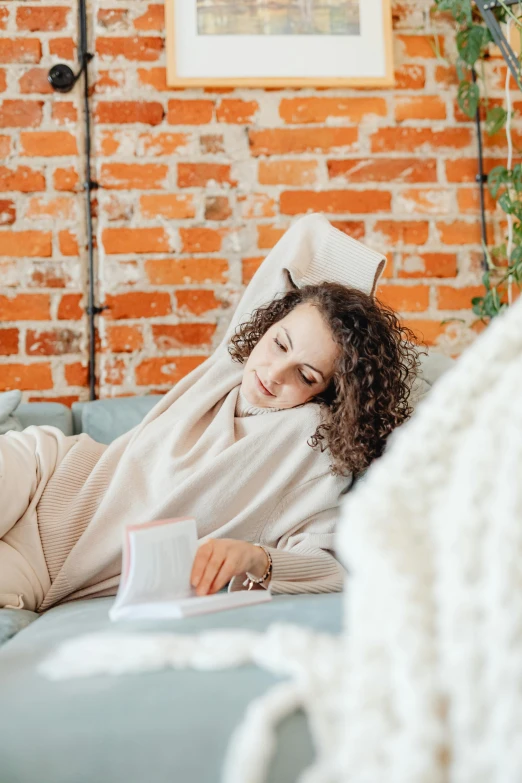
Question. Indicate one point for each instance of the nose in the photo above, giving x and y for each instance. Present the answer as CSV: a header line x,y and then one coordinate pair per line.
x,y
277,371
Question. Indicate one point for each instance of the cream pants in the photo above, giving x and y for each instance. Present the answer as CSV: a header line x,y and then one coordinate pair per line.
x,y
27,461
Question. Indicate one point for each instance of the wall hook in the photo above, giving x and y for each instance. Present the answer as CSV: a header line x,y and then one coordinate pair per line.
x,y
62,78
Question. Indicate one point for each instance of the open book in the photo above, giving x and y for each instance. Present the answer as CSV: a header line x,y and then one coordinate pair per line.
x,y
155,581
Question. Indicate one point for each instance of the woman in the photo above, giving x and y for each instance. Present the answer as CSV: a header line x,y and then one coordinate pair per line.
x,y
258,443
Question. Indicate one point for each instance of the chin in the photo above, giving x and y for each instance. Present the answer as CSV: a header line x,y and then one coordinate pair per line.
x,y
254,397
250,393
260,401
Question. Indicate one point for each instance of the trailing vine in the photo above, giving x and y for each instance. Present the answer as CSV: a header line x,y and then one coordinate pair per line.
x,y
473,39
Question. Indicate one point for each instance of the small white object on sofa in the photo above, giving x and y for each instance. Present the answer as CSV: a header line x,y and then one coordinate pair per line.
x,y
9,402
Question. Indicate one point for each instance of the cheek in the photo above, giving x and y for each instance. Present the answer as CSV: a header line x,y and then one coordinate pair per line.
x,y
307,395
258,356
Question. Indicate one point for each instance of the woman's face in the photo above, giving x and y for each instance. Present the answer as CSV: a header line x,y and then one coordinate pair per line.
x,y
293,361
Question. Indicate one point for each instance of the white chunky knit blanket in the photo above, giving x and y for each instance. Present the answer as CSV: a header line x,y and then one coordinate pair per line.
x,y
425,684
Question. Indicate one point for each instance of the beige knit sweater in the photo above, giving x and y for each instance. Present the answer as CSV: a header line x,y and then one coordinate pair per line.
x,y
249,477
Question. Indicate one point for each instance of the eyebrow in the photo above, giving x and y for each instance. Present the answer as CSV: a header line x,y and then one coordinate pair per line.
x,y
304,365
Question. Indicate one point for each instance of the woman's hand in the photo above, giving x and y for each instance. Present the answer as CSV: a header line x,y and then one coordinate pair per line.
x,y
219,559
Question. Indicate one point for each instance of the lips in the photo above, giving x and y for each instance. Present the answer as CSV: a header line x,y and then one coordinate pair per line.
x,y
262,387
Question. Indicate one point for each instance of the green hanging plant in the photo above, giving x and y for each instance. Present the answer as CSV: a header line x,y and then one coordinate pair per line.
x,y
473,40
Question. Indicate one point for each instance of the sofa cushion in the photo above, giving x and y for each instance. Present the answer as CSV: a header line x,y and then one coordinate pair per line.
x,y
12,621
163,726
106,420
53,414
433,365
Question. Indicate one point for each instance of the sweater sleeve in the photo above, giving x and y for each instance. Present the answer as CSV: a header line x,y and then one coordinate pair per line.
x,y
303,560
312,251
302,570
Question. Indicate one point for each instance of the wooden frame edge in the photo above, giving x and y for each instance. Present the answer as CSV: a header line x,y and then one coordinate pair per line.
x,y
173,80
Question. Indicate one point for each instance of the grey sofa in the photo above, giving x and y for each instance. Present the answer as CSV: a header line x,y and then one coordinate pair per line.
x,y
164,727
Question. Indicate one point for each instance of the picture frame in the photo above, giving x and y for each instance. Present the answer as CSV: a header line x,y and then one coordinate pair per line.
x,y
210,50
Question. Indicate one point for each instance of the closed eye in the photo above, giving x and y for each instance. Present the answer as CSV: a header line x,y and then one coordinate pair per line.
x,y
303,377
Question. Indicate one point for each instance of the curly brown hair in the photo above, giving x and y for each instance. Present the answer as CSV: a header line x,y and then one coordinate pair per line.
x,y
369,392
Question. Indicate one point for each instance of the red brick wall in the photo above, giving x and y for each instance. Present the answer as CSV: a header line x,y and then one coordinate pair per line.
x,y
196,186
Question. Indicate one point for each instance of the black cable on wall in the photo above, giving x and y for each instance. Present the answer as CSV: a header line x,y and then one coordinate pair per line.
x,y
62,79
481,178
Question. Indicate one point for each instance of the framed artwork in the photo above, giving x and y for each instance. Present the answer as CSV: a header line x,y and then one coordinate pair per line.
x,y
279,43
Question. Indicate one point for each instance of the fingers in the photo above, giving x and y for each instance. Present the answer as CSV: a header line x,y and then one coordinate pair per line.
x,y
217,561
201,559
213,565
224,575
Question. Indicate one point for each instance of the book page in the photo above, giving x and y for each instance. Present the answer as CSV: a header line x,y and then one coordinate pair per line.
x,y
160,562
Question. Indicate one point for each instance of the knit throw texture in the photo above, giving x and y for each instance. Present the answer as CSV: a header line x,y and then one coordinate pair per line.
x,y
425,683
